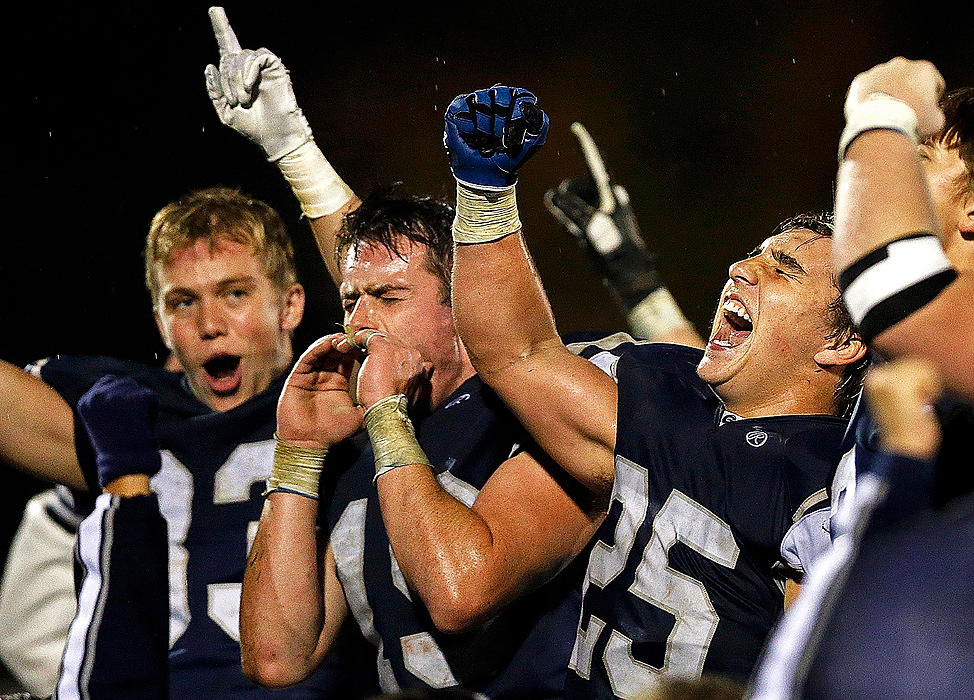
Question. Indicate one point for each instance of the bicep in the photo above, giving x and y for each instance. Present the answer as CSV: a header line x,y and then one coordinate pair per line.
x,y
539,519
37,430
569,406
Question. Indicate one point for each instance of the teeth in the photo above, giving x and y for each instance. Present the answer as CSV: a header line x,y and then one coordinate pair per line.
x,y
737,308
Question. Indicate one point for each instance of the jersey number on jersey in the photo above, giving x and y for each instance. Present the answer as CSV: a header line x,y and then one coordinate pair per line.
x,y
681,519
247,465
421,655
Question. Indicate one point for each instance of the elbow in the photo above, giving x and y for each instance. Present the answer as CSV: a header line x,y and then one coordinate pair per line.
x,y
271,669
460,612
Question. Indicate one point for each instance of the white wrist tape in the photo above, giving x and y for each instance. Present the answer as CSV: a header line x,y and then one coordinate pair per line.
x,y
314,182
483,216
296,469
890,283
392,435
656,315
878,111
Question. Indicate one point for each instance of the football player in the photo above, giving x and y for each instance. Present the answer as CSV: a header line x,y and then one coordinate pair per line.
x,y
905,238
450,534
715,460
220,270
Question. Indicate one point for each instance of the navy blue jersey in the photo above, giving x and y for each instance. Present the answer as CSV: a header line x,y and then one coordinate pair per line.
x,y
709,513
904,533
214,468
522,652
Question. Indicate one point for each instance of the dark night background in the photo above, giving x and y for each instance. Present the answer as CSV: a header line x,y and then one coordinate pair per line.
x,y
721,118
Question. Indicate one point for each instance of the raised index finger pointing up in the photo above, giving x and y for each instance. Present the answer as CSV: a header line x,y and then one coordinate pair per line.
x,y
225,38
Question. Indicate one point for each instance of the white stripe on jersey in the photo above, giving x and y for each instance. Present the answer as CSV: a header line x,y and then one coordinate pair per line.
x,y
94,547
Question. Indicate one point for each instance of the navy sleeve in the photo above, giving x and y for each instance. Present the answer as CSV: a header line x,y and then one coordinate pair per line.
x,y
118,643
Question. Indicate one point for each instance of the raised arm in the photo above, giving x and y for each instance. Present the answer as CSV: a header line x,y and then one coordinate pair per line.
x,y
252,94
467,561
900,286
595,210
292,605
500,307
37,429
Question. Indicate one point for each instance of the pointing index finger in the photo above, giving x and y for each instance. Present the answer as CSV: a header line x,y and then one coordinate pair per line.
x,y
225,38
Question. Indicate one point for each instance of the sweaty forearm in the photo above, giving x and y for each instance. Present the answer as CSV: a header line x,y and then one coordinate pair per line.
x,y
446,551
883,196
284,624
325,229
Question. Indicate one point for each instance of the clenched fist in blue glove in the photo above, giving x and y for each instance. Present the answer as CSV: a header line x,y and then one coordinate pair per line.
x,y
120,414
491,133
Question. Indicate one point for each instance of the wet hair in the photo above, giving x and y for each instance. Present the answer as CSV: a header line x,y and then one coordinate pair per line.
x,y
837,315
958,131
394,221
214,215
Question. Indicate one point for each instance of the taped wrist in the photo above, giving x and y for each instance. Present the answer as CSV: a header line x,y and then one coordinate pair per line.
x,y
656,315
314,182
885,286
296,469
878,111
393,436
483,216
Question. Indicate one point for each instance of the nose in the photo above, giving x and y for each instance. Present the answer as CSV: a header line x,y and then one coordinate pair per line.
x,y
744,271
362,315
211,320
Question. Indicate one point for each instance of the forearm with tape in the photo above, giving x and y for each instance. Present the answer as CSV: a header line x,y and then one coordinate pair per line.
x,y
314,181
892,282
483,216
392,435
296,469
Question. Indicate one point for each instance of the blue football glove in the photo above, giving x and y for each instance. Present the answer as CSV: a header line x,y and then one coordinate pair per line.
x,y
119,415
490,134
596,211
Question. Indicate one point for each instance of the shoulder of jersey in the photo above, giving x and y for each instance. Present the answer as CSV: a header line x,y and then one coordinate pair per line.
x,y
72,375
664,356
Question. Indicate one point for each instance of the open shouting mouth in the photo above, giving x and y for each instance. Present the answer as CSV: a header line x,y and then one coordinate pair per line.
x,y
223,373
734,325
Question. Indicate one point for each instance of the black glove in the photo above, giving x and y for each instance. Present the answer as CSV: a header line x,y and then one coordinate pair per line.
x,y
597,213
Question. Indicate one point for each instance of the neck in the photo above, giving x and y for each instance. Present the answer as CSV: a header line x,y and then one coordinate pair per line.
x,y
801,399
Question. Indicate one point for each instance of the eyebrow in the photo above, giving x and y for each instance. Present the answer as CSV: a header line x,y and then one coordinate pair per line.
x,y
236,281
789,261
373,290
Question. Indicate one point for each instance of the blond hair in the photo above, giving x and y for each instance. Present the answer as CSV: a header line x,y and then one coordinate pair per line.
x,y
216,214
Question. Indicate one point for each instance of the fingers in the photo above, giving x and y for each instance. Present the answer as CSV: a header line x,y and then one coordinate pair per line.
x,y
901,396
214,86
225,38
596,166
319,350
359,340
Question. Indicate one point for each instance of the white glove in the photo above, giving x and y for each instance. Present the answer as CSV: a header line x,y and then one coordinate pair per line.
x,y
252,94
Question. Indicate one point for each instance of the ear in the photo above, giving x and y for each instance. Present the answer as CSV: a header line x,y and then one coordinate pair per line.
x,y
162,329
292,310
842,353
